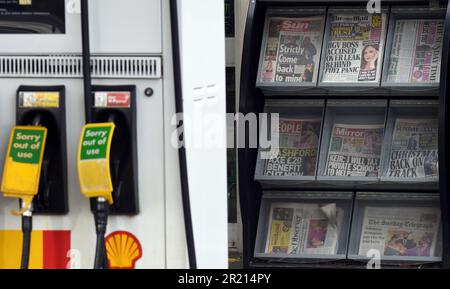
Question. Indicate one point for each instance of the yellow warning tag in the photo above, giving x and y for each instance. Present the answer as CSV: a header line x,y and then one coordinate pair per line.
x,y
23,163
93,160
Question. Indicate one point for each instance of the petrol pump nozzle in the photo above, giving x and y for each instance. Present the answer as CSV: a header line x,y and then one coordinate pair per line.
x,y
27,220
21,174
94,150
95,179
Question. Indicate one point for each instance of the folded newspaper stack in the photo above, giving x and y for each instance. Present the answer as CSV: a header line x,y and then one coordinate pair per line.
x,y
354,150
400,231
299,229
414,149
297,153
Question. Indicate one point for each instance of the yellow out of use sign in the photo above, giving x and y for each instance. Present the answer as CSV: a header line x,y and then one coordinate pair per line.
x,y
93,160
23,163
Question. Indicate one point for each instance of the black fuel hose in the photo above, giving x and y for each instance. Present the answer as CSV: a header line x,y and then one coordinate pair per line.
x,y
27,228
102,210
88,101
182,151
101,220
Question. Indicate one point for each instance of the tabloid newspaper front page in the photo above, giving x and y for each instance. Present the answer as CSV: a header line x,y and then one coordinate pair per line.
x,y
416,51
354,51
414,150
400,231
354,150
297,155
296,228
292,50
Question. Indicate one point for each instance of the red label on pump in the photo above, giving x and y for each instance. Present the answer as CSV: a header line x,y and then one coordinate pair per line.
x,y
113,99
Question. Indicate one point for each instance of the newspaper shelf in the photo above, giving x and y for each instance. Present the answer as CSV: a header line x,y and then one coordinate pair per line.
x,y
396,228
303,226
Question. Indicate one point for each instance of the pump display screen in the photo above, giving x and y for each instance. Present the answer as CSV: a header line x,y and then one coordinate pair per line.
x,y
32,17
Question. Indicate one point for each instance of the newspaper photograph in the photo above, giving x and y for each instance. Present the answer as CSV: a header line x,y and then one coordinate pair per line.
x,y
354,150
297,153
416,51
292,50
414,149
400,231
296,228
354,51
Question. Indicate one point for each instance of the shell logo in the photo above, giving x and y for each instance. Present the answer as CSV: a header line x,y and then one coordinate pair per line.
x,y
123,250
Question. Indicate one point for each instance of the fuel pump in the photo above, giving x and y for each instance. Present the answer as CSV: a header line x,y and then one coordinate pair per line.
x,y
169,195
35,164
107,156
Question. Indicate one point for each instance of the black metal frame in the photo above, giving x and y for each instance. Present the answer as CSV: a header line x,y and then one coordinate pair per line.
x,y
252,101
444,141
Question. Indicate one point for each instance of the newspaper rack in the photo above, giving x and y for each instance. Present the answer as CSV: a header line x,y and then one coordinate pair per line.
x,y
349,112
402,170
402,87
389,232
343,204
351,87
379,103
298,110
286,88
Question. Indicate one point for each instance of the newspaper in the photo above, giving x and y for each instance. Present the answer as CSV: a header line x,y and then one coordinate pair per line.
x,y
297,155
400,231
354,51
416,51
292,49
414,150
354,150
296,228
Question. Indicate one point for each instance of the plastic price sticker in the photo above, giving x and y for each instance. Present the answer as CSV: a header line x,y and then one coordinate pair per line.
x,y
23,164
93,160
118,99
39,99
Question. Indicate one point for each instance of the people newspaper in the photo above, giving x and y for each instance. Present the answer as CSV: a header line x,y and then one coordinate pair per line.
x,y
354,51
301,228
414,149
404,231
354,150
297,153
416,51
292,49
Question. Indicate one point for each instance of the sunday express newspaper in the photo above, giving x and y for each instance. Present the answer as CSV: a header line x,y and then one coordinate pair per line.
x,y
296,228
297,155
354,150
414,150
400,231
416,51
292,50
355,47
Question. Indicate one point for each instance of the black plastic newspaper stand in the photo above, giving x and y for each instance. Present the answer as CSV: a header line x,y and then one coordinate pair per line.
x,y
271,201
